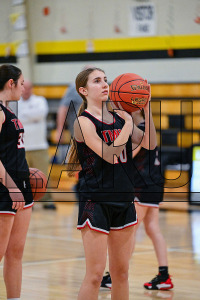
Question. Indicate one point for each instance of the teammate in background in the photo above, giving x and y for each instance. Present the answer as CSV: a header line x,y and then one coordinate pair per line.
x,y
32,112
149,187
15,191
106,209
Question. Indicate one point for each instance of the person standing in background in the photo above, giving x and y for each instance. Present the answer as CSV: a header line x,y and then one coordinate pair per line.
x,y
69,106
32,112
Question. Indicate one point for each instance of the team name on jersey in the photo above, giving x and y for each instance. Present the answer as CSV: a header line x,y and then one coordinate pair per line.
x,y
110,135
18,124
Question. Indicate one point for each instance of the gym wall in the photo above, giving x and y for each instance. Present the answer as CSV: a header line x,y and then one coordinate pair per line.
x,y
64,35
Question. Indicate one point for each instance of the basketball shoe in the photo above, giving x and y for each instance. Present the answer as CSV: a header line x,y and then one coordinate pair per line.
x,y
159,283
106,281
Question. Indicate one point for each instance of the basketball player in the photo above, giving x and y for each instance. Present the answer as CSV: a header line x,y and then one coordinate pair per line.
x,y
149,188
16,199
106,209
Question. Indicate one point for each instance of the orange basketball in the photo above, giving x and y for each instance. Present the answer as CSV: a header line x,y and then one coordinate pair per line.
x,y
38,183
131,90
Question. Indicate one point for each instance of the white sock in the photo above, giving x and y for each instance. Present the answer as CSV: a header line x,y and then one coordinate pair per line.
x,y
13,299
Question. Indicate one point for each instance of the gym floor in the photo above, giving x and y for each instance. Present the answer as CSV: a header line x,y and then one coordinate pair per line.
x,y
54,264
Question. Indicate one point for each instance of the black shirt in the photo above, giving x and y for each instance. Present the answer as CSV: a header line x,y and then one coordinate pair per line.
x,y
147,171
12,152
100,180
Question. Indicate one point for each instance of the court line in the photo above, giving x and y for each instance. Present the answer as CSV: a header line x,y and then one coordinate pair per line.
x,y
51,237
69,260
59,238
46,262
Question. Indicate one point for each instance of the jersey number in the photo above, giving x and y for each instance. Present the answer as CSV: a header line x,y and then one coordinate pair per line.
x,y
20,143
122,157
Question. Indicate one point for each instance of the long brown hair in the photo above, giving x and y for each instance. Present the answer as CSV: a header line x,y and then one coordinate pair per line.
x,y
9,72
81,81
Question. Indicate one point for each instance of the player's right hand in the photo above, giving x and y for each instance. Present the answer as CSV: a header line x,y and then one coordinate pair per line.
x,y
17,198
123,114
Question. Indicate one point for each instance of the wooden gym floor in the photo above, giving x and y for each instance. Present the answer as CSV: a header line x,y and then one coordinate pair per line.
x,y
54,265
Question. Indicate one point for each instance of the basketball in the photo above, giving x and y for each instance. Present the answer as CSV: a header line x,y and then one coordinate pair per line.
x,y
131,90
38,183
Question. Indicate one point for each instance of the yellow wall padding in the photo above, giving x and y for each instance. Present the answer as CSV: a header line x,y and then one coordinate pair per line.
x,y
50,92
118,44
192,122
161,122
186,139
189,90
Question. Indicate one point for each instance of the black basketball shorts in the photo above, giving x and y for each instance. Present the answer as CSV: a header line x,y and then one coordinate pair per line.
x,y
6,201
103,217
150,196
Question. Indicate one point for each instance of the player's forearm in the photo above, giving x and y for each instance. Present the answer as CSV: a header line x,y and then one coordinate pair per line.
x,y
5,177
62,112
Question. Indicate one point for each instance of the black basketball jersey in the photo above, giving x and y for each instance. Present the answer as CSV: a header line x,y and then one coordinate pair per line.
x,y
147,169
100,180
12,152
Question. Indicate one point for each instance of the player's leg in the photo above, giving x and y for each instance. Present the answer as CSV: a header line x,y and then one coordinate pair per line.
x,y
14,253
119,250
141,213
152,228
95,246
6,223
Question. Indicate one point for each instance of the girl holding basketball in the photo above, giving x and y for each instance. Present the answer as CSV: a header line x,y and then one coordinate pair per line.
x,y
107,216
15,191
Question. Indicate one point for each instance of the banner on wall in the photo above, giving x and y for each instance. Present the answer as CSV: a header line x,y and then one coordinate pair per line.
x,y
18,20
142,19
17,2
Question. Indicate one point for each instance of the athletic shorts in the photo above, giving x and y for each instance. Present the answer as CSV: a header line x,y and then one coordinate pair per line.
x,y
103,217
151,196
6,201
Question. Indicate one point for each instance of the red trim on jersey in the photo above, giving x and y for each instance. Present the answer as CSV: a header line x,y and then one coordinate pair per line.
x,y
9,109
78,141
90,121
14,213
29,205
7,213
136,200
100,120
125,226
87,222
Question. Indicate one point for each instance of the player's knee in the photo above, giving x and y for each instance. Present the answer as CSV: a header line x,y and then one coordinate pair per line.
x,y
119,273
120,277
150,229
96,278
14,253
